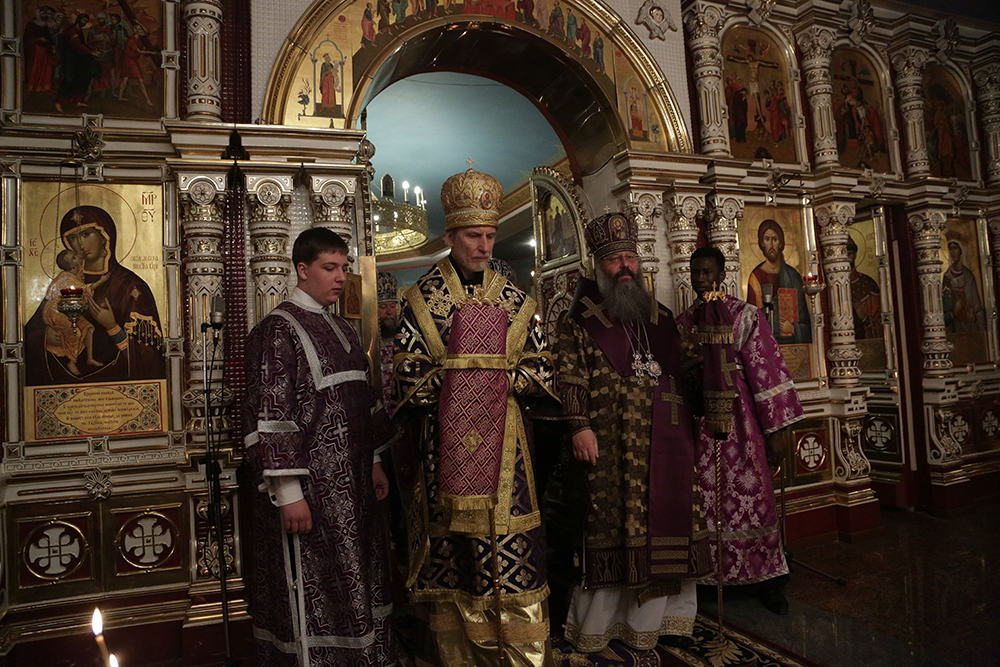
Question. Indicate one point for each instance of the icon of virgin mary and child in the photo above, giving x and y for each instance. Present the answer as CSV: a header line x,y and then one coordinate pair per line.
x,y
114,334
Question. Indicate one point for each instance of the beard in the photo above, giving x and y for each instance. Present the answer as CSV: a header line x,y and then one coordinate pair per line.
x,y
625,301
387,327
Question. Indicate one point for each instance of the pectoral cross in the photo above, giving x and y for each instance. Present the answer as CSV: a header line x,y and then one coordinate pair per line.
x,y
671,396
650,366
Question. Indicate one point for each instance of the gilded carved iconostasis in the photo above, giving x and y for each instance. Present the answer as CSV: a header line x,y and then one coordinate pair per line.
x,y
872,236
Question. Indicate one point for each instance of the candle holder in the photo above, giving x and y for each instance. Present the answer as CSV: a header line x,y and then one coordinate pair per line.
x,y
72,304
812,286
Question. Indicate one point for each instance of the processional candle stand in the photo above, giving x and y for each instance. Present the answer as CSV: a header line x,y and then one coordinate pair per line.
x,y
725,650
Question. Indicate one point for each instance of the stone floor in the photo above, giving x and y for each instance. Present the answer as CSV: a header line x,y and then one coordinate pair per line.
x,y
925,592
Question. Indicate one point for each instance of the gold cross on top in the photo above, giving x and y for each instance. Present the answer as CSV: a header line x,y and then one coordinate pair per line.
x,y
470,161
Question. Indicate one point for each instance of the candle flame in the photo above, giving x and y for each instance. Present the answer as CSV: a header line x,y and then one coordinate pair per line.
x,y
97,623
112,661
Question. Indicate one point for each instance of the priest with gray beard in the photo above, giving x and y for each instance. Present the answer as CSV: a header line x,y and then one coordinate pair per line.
x,y
618,356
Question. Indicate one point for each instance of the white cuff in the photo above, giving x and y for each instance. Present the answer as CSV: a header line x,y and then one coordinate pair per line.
x,y
283,490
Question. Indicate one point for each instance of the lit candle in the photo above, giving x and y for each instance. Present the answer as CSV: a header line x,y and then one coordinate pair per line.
x,y
112,661
810,277
97,625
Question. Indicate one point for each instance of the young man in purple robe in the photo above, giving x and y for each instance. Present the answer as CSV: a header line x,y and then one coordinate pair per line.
x,y
766,404
619,374
318,592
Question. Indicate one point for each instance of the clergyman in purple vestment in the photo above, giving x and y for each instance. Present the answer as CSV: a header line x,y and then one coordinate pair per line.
x,y
767,403
619,374
318,592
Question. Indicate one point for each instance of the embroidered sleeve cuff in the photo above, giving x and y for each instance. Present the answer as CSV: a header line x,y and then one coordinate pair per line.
x,y
785,424
578,424
118,337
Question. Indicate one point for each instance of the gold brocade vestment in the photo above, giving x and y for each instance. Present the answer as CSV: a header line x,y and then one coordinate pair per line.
x,y
477,573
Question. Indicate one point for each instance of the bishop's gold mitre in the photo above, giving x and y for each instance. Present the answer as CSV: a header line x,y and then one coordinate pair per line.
x,y
471,199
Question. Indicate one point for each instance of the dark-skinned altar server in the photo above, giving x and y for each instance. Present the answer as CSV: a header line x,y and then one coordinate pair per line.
x,y
766,404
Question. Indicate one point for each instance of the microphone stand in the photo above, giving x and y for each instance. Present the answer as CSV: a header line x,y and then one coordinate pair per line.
x,y
213,474
768,309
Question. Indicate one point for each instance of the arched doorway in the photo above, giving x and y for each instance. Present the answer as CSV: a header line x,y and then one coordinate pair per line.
x,y
596,83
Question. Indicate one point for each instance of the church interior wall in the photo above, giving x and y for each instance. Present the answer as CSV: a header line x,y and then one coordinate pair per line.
x,y
907,414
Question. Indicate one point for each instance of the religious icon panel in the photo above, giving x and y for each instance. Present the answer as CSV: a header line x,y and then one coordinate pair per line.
x,y
559,218
93,56
772,267
963,291
866,295
755,76
93,333
946,124
862,138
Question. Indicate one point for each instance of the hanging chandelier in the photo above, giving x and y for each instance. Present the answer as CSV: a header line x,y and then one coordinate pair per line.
x,y
399,226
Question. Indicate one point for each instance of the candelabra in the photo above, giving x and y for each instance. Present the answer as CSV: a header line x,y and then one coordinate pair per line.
x,y
399,226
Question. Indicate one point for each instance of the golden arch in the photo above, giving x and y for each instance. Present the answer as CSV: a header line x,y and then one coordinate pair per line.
x,y
583,106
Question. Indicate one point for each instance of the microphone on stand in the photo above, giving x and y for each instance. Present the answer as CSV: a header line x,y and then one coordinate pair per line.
x,y
216,316
213,469
217,319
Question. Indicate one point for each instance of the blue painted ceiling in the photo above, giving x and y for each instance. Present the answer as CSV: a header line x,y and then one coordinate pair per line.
x,y
426,126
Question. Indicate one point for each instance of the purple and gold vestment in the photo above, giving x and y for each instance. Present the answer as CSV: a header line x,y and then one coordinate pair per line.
x,y
644,532
439,377
308,413
767,402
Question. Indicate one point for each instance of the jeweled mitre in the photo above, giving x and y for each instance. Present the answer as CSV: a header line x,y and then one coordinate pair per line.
x,y
471,199
610,233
